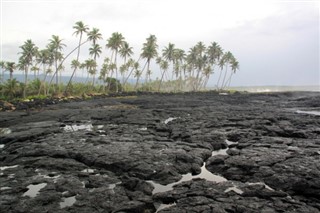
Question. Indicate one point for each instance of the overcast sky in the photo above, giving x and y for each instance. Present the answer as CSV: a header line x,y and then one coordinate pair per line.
x,y
275,42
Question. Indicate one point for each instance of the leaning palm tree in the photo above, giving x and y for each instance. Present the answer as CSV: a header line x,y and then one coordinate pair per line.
x,y
227,58
80,28
95,51
164,65
56,46
114,43
234,67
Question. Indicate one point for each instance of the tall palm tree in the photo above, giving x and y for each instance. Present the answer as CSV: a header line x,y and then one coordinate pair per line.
x,y
125,52
95,51
227,58
29,51
167,54
56,46
234,67
114,43
164,65
149,51
80,28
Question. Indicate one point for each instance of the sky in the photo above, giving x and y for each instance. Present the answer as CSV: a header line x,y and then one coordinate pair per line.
x,y
276,42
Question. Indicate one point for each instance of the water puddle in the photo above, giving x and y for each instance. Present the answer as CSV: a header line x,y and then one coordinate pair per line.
x,y
5,188
143,129
169,120
34,189
308,112
78,127
205,174
86,127
5,131
67,201
1,146
164,206
261,183
88,171
235,189
8,167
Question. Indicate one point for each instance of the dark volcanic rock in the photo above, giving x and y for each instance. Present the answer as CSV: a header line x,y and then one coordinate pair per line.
x,y
106,154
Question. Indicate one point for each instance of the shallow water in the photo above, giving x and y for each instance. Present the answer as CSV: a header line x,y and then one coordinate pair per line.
x,y
163,206
204,174
8,167
169,120
34,189
67,201
308,112
1,146
5,131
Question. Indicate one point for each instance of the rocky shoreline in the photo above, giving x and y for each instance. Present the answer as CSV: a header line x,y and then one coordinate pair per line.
x,y
236,153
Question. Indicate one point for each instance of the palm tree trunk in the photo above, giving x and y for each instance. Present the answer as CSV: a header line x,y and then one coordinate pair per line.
x,y
137,82
161,80
225,75
75,68
219,79
25,82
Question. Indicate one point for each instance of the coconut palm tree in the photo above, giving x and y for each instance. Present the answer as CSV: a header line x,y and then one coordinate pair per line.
x,y
114,43
125,52
226,58
95,51
11,87
10,67
80,28
234,67
56,46
149,51
167,54
29,51
164,65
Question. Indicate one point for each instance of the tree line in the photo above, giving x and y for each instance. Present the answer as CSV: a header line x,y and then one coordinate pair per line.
x,y
179,70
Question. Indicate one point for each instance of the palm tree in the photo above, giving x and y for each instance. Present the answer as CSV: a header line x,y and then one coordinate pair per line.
x,y
149,51
167,54
94,35
29,51
226,58
137,75
234,67
214,53
114,43
164,65
95,51
11,87
2,64
8,66
56,46
80,28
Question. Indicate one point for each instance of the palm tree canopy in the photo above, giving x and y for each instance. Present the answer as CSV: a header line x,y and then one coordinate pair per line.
x,y
167,52
94,35
95,50
126,50
56,43
80,28
115,41
149,49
